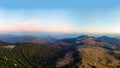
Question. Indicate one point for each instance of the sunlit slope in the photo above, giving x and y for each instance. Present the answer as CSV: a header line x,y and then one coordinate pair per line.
x,y
98,57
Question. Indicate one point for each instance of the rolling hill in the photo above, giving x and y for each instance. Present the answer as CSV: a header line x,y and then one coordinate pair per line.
x,y
79,52
89,52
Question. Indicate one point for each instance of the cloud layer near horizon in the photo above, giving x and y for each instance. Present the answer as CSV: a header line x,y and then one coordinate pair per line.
x,y
53,21
81,21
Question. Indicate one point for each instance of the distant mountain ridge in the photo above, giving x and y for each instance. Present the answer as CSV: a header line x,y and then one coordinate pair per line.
x,y
26,38
110,40
103,41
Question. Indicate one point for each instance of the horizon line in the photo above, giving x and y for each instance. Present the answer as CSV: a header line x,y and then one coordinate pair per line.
x,y
13,32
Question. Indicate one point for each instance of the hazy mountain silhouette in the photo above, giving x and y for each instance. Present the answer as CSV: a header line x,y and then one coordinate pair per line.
x,y
27,38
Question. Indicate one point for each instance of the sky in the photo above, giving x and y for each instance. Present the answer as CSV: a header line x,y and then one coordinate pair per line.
x,y
64,16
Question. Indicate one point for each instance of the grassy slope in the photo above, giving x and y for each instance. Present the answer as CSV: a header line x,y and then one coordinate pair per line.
x,y
93,56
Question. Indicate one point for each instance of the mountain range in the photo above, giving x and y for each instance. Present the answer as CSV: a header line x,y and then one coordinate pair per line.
x,y
26,38
48,52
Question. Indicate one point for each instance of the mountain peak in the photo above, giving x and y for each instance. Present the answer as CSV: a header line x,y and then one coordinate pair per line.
x,y
85,37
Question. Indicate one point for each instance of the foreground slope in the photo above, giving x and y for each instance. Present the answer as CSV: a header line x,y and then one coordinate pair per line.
x,y
96,57
89,52
29,55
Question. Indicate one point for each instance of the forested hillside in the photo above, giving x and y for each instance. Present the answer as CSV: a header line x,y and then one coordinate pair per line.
x,y
29,55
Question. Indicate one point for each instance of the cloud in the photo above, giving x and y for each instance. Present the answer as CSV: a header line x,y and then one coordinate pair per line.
x,y
56,21
104,21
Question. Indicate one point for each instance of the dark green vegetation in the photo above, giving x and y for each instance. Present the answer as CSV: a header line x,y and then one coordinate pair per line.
x,y
29,55
2,43
80,52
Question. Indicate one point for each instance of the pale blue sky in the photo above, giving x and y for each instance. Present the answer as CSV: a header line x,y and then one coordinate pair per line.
x,y
76,16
